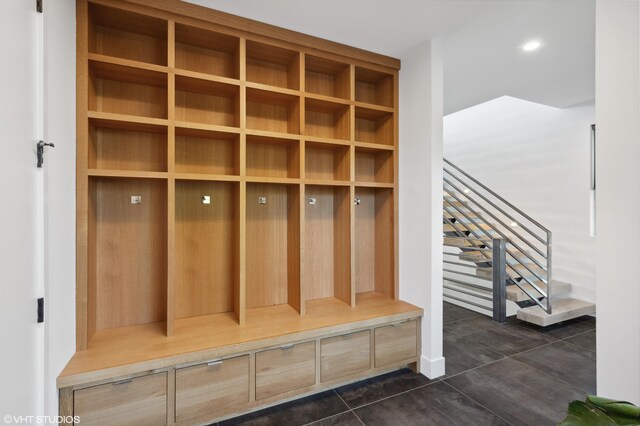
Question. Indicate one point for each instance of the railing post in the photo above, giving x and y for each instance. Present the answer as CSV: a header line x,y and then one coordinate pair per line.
x,y
499,280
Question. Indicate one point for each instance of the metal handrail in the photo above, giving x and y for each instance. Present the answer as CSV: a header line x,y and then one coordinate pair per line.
x,y
523,214
464,231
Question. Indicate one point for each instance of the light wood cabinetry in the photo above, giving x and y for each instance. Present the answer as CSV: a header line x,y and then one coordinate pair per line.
x,y
395,343
236,187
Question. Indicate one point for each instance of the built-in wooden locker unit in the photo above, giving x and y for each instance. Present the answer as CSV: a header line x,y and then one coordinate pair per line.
x,y
236,190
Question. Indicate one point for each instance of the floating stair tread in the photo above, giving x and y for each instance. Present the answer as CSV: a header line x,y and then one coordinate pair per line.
x,y
460,242
520,271
516,294
458,216
563,310
466,226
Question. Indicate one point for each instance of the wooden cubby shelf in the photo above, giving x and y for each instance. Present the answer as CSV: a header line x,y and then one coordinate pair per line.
x,y
374,87
326,119
207,152
374,254
127,35
236,205
207,102
273,111
374,126
273,245
374,165
327,262
207,52
126,90
326,77
273,157
272,65
119,145
207,249
327,162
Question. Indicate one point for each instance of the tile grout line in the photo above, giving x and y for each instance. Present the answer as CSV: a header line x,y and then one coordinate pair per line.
x,y
397,394
554,377
467,396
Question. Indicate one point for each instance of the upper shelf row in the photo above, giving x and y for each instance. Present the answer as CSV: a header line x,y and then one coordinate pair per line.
x,y
126,35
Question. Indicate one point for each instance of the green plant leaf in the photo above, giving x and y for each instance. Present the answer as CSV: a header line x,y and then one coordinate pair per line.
x,y
582,413
614,406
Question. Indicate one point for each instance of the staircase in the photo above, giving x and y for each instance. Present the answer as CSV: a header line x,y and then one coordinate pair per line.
x,y
477,223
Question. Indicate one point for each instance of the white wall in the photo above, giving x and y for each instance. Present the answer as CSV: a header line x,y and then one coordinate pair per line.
x,y
60,205
420,178
537,157
618,198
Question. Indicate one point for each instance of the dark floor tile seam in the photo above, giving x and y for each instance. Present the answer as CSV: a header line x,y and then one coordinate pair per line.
x,y
396,394
358,417
444,379
578,346
467,396
328,417
460,320
553,377
483,345
566,340
533,349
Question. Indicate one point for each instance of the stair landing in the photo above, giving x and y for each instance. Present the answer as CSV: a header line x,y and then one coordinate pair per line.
x,y
563,310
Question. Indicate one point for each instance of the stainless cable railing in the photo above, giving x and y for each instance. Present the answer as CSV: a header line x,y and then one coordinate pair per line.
x,y
468,206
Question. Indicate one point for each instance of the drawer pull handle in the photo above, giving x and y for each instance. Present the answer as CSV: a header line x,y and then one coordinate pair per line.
x,y
285,347
214,363
122,382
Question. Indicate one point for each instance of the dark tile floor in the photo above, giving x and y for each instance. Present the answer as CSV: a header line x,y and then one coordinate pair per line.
x,y
497,374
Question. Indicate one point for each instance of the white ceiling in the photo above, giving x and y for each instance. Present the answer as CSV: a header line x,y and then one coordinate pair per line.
x,y
481,39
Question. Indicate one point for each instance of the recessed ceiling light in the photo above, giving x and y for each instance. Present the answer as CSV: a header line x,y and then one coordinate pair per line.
x,y
532,45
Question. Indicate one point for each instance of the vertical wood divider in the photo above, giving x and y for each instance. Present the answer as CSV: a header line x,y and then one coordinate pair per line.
x,y
171,181
396,199
240,297
352,178
302,149
82,184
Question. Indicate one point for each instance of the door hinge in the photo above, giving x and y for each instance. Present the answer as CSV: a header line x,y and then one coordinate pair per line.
x,y
41,310
39,6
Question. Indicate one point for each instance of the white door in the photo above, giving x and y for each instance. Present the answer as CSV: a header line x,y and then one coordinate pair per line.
x,y
21,217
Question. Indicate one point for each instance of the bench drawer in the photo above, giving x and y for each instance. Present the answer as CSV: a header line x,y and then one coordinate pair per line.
x,y
395,343
284,369
345,355
138,401
208,388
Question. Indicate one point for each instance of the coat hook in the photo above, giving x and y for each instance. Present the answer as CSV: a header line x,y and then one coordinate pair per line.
x,y
136,199
206,199
312,201
356,201
262,200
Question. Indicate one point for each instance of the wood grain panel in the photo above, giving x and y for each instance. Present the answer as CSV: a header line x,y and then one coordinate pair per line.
x,y
326,77
274,66
395,343
207,52
374,166
269,245
374,126
138,402
326,120
116,149
213,153
326,162
207,102
207,389
327,243
273,157
273,112
115,32
207,251
345,355
374,87
284,369
131,253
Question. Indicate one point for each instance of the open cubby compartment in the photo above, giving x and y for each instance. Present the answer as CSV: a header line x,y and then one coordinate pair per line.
x,y
127,252
126,90
327,251
326,119
374,126
207,152
272,65
273,157
207,52
326,77
207,249
127,35
374,254
273,111
272,245
324,161
119,145
207,102
374,165
374,87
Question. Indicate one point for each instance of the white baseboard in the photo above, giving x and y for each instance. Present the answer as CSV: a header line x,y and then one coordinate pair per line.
x,y
432,368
